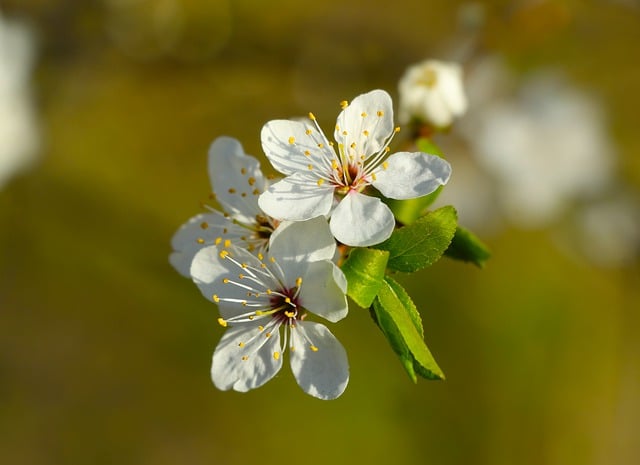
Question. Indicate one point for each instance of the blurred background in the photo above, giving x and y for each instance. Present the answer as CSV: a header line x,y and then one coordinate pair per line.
x,y
107,109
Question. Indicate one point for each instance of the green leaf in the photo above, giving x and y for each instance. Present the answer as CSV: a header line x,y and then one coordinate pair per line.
x,y
399,320
422,243
407,211
364,269
467,247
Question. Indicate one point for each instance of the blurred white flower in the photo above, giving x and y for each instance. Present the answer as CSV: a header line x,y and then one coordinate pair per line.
x,y
432,92
259,295
19,139
544,147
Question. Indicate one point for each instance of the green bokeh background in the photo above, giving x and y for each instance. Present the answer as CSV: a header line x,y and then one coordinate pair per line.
x,y
105,350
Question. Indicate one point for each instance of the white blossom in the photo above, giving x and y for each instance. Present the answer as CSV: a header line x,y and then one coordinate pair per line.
x,y
19,138
237,182
432,91
258,295
320,181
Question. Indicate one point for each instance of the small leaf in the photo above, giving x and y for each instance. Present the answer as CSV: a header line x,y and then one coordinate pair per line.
x,y
396,314
364,269
422,243
407,211
467,247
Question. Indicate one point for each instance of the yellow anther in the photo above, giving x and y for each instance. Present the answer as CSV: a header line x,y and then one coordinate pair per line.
x,y
262,265
204,225
320,145
225,280
289,314
314,348
245,358
353,145
225,231
337,127
268,291
344,133
218,240
244,303
287,300
240,276
385,165
387,149
380,113
260,328
243,170
365,132
244,194
259,312
276,355
260,257
310,167
244,265
397,129
267,335
232,190
240,344
251,317
299,281
272,259
363,114
320,182
256,192
251,181
292,140
215,298
200,240
312,116
308,132
307,153
292,349
227,242
222,322
344,104
224,253
334,164
373,176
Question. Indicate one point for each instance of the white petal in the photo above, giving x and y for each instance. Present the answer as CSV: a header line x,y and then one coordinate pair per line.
x,y
201,231
368,122
410,175
302,242
296,197
451,87
323,372
323,291
263,358
208,271
236,179
360,220
292,146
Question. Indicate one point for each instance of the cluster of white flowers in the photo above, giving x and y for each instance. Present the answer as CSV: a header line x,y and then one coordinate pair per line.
x,y
268,259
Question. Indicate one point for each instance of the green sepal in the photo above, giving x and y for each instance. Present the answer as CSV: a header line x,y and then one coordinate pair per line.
x,y
407,211
364,269
422,243
467,247
397,317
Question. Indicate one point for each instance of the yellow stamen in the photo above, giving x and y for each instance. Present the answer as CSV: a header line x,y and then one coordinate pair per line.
x,y
320,182
276,355
380,113
222,322
200,240
251,181
232,190
312,116
204,225
344,104
292,140
215,297
314,348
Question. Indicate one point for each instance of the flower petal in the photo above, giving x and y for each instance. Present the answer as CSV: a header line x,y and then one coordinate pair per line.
x,y
297,197
302,242
360,220
410,175
236,179
318,360
209,271
323,291
201,231
292,146
245,358
367,122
